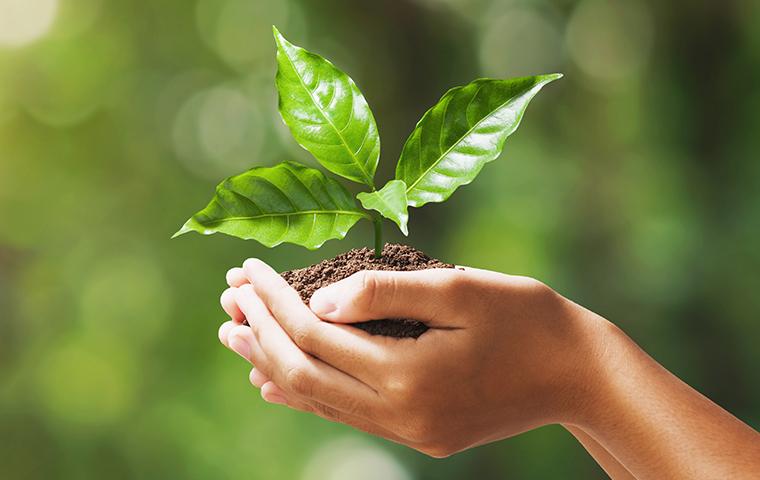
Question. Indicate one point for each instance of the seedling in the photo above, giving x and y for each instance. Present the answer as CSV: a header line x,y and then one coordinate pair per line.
x,y
328,116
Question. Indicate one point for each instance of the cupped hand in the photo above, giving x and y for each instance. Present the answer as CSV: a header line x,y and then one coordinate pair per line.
x,y
504,354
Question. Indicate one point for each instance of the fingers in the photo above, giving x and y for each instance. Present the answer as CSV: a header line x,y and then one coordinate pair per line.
x,y
271,393
369,295
274,394
235,277
308,384
224,332
295,371
349,350
300,395
240,339
230,307
257,378
241,345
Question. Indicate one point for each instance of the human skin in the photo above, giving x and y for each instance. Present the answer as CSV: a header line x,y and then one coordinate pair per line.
x,y
504,355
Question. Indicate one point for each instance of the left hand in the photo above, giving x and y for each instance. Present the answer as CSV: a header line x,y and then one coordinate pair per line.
x,y
338,396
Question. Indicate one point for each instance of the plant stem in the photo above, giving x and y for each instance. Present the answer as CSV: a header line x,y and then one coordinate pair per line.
x,y
377,221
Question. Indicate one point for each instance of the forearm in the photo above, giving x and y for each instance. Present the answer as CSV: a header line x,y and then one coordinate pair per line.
x,y
659,427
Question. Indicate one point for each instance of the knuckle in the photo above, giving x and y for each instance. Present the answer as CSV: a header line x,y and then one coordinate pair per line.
x,y
406,386
302,336
375,289
367,288
454,281
299,381
539,291
542,290
397,388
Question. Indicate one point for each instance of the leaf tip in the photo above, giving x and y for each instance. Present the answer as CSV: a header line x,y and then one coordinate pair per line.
x,y
279,39
181,231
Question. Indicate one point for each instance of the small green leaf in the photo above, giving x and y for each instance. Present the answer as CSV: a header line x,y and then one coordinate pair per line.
x,y
461,133
326,113
390,201
285,203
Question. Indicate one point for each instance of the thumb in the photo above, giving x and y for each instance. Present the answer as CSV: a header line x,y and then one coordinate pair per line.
x,y
422,295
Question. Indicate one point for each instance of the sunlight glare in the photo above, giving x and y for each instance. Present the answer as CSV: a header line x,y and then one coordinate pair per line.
x,y
24,21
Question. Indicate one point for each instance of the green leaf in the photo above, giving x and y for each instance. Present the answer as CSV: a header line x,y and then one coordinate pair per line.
x,y
390,201
461,133
285,203
326,113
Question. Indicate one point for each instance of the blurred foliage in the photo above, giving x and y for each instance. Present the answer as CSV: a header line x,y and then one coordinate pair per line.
x,y
633,187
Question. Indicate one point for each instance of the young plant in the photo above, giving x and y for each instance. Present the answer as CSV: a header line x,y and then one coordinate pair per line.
x,y
328,116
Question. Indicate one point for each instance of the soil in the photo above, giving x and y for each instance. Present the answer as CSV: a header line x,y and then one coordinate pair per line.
x,y
395,257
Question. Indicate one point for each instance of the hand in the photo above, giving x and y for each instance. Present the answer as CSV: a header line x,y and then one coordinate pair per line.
x,y
503,355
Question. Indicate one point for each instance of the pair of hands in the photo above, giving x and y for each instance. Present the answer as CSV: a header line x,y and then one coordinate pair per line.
x,y
504,354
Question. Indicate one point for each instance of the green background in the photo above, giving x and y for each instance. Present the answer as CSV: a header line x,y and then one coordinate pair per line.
x,y
632,187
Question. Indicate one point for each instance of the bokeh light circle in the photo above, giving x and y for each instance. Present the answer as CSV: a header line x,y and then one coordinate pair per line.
x,y
127,294
24,21
218,131
223,121
239,31
520,41
76,17
610,41
349,458
67,81
86,381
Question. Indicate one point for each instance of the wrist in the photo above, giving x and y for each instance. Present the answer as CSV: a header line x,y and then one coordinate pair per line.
x,y
607,356
600,353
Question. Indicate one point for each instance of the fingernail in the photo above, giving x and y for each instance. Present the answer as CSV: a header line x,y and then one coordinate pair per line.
x,y
240,346
321,304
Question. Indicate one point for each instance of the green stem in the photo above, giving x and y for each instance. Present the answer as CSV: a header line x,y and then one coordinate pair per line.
x,y
377,221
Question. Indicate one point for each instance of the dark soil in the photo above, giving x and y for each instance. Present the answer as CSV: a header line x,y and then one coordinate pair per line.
x,y
395,257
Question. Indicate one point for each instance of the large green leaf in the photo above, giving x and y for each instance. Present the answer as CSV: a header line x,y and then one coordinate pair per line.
x,y
326,113
390,201
285,203
463,131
